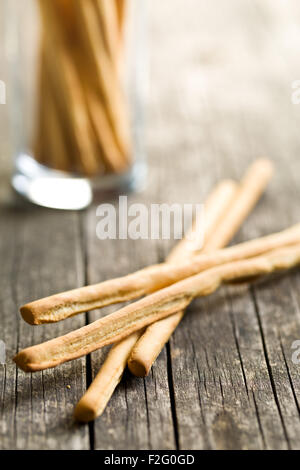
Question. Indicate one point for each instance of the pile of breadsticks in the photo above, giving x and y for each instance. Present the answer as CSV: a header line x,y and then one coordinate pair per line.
x,y
83,125
140,330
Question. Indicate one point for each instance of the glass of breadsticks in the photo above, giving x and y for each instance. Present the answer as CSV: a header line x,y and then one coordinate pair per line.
x,y
78,90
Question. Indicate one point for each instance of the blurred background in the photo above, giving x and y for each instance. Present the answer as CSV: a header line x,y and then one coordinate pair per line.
x,y
216,70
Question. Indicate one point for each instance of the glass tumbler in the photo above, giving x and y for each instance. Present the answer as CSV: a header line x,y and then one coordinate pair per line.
x,y
76,95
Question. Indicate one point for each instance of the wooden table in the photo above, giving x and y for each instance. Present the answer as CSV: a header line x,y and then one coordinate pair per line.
x,y
221,85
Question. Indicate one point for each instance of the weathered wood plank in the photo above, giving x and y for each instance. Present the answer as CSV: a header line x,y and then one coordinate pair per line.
x,y
40,255
277,310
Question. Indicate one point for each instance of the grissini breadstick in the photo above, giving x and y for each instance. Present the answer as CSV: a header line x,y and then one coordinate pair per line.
x,y
148,347
138,315
216,207
148,280
94,401
121,7
110,151
109,27
251,189
52,139
158,334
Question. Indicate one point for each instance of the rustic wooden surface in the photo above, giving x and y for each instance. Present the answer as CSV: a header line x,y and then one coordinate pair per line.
x,y
221,78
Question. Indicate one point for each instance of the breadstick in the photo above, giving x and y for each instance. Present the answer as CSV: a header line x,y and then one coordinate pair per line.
x,y
252,187
110,151
109,27
158,334
121,7
99,393
66,12
53,148
148,280
216,207
94,401
159,305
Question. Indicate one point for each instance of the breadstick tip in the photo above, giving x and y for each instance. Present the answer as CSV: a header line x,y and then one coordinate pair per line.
x,y
230,183
139,368
84,413
21,362
263,165
26,361
28,315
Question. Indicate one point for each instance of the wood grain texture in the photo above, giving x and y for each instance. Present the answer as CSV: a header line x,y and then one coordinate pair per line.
x,y
220,97
40,252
